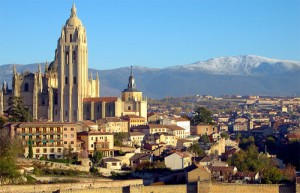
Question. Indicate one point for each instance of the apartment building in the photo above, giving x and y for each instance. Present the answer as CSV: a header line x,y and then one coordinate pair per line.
x,y
47,139
112,125
97,141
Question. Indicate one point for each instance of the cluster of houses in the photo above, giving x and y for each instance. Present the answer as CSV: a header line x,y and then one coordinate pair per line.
x,y
158,137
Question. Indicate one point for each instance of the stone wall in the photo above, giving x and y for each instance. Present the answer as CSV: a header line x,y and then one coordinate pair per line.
x,y
135,186
250,188
71,187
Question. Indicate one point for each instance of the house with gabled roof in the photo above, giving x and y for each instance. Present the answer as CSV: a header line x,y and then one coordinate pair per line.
x,y
178,160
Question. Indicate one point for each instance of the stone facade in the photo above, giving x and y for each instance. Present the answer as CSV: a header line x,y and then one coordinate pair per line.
x,y
47,139
65,92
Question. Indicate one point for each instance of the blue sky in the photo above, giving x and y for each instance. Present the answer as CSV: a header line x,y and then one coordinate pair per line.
x,y
152,33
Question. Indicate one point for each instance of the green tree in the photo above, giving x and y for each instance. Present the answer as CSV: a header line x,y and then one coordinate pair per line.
x,y
97,157
2,121
204,139
30,152
10,148
67,153
202,115
17,111
271,145
119,138
197,150
271,175
224,135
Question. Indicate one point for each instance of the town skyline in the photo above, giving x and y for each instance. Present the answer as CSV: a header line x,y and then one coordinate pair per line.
x,y
154,34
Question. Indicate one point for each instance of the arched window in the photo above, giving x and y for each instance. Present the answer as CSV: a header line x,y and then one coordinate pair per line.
x,y
129,108
70,37
67,57
26,87
74,57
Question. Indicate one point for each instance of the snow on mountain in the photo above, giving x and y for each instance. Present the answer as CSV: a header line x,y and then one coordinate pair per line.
x,y
240,65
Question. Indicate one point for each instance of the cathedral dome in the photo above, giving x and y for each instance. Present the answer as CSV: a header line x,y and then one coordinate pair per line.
x,y
73,20
53,66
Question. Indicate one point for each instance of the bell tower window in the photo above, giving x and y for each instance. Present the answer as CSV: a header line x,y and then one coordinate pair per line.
x,y
26,87
67,57
70,37
74,57
66,80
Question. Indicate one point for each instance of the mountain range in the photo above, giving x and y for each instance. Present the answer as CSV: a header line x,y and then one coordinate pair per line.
x,y
234,75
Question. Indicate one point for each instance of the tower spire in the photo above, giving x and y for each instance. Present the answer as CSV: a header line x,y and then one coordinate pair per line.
x,y
39,68
73,10
14,69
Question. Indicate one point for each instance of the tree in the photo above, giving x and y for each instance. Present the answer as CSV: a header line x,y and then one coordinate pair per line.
x,y
97,157
197,150
271,175
10,148
271,145
224,135
202,115
119,138
204,139
30,152
16,111
67,153
2,121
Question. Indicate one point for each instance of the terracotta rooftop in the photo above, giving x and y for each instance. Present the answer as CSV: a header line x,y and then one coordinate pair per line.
x,y
180,119
182,154
126,117
136,133
174,127
156,126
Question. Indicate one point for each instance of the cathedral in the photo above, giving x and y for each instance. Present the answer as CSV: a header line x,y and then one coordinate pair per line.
x,y
65,92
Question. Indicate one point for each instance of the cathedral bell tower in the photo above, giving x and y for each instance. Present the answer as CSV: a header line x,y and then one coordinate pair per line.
x,y
72,56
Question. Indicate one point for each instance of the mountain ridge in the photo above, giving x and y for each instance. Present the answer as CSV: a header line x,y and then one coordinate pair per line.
x,y
244,75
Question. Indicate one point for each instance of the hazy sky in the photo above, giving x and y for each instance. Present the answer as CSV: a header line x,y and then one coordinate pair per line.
x,y
152,33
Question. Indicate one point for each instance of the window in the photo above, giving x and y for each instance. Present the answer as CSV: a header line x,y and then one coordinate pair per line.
x,y
114,164
66,80
65,135
66,113
92,145
67,57
55,101
37,150
70,37
74,80
43,101
59,150
72,142
129,108
45,150
98,108
65,142
65,129
26,87
74,57
72,129
72,135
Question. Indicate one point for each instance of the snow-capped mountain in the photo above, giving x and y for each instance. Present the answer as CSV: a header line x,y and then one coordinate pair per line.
x,y
243,75
241,65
